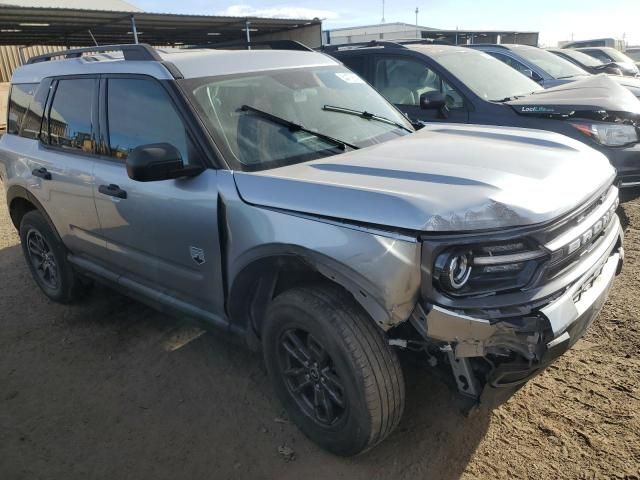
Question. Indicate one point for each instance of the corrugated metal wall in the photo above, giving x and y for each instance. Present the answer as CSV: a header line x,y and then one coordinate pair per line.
x,y
10,57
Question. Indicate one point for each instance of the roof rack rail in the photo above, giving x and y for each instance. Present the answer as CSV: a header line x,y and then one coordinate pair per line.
x,y
272,44
131,51
400,43
356,45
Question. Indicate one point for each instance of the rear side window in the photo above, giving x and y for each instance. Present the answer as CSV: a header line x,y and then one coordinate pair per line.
x,y
70,115
140,112
19,100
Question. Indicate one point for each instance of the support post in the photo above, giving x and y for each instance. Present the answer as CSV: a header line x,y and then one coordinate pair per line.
x,y
133,29
247,25
21,55
93,38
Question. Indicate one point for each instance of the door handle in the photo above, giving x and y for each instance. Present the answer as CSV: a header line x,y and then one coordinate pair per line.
x,y
41,172
112,191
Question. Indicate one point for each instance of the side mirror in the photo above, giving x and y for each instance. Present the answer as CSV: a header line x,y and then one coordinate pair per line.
x,y
156,161
528,72
532,75
613,70
433,101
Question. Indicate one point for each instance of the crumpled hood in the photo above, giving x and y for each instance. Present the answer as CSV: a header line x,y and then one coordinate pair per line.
x,y
441,178
595,93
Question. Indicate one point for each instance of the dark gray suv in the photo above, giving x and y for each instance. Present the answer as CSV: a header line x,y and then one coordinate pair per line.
x,y
277,196
455,84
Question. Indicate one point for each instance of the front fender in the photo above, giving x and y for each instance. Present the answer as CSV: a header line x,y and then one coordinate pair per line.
x,y
381,270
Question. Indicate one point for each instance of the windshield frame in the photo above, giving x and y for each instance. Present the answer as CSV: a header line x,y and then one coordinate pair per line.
x,y
188,85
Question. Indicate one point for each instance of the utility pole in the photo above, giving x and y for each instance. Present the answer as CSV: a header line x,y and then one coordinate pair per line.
x,y
382,11
417,35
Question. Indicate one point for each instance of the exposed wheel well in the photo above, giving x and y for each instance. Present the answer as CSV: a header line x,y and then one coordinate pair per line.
x,y
262,281
18,208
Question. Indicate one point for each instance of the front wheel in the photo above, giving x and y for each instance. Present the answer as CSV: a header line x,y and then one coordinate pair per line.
x,y
331,367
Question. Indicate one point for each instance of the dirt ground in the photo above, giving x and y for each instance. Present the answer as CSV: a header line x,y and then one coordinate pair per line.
x,y
100,390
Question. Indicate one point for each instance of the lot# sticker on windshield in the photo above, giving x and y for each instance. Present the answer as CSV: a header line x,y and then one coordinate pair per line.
x,y
349,77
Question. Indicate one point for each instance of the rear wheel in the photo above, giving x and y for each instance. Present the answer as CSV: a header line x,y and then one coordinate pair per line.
x,y
46,258
331,367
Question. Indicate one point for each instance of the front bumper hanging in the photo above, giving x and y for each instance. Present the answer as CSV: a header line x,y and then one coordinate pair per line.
x,y
537,339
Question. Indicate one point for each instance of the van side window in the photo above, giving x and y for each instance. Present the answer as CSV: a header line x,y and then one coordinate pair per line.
x,y
140,112
69,122
19,99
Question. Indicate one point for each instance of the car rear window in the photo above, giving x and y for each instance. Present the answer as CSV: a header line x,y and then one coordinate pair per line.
x,y
19,99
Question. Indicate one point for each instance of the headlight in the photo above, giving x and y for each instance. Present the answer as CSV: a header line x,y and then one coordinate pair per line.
x,y
454,270
486,269
610,134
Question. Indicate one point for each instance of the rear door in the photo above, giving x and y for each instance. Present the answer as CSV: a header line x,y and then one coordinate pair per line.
x,y
162,236
401,79
59,155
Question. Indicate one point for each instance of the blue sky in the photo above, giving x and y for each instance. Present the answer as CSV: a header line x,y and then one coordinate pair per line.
x,y
555,19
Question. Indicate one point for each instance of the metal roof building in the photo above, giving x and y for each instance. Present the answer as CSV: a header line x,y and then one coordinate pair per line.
x,y
38,24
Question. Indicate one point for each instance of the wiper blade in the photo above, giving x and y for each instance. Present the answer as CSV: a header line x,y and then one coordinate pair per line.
x,y
366,115
512,97
295,127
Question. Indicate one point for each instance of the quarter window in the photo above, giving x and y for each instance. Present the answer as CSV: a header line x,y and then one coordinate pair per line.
x,y
21,95
140,112
70,115
402,81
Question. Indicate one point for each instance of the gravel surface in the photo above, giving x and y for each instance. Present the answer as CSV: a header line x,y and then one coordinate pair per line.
x,y
109,389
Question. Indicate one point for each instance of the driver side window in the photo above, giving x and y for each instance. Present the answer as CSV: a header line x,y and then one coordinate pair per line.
x,y
403,80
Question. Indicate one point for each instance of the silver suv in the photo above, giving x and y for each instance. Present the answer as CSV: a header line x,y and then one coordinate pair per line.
x,y
276,195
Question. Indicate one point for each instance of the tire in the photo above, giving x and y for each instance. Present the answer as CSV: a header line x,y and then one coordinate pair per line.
x,y
358,373
44,252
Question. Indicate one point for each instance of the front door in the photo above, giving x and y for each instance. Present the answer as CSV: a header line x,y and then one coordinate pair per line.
x,y
402,79
162,235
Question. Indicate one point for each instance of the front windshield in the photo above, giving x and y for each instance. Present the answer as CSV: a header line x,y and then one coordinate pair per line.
x,y
582,58
485,75
617,55
253,141
555,66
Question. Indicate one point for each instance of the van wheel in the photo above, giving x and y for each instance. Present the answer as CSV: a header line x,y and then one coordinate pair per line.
x,y
47,260
331,367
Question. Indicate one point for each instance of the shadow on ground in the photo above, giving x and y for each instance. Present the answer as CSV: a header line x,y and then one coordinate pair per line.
x,y
88,391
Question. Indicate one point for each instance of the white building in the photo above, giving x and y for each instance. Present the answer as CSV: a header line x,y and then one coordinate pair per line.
x,y
397,31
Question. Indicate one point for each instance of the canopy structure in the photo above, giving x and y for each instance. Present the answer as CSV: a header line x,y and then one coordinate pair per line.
x,y
27,26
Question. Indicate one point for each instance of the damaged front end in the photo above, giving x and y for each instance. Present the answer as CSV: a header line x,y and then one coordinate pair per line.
x,y
501,309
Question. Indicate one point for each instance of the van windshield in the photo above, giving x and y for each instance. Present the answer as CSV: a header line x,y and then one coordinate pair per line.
x,y
485,75
253,117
